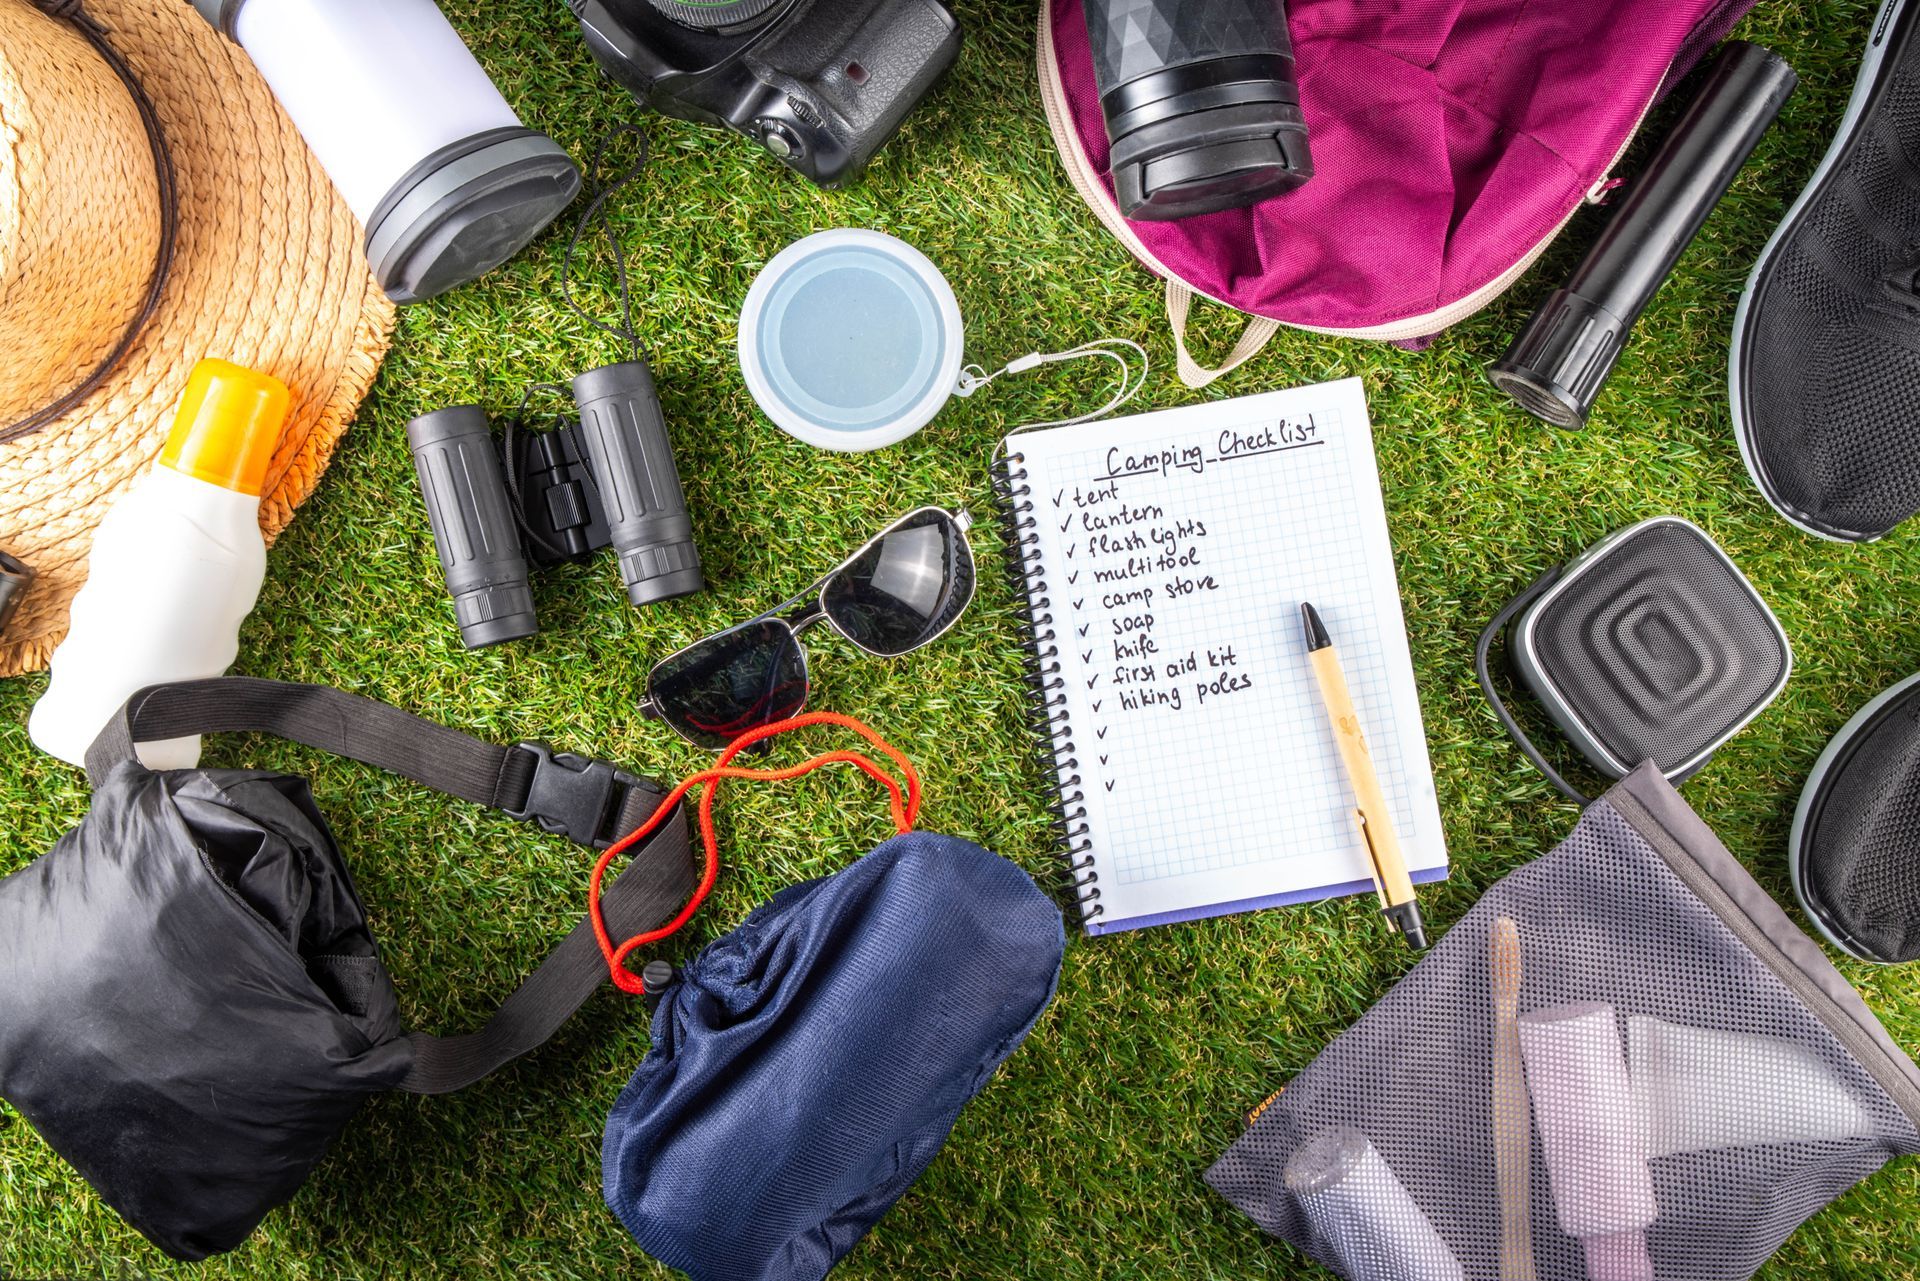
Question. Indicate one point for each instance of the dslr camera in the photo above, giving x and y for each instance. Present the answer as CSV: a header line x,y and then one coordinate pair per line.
x,y
821,84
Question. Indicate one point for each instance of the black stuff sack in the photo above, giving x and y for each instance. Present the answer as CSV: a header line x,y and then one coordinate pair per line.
x,y
807,1067
192,1000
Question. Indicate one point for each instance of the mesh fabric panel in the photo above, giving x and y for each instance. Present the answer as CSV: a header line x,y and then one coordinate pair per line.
x,y
1661,648
1832,358
1861,856
1607,928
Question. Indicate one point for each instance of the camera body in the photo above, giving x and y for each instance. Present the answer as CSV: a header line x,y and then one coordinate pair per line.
x,y
821,84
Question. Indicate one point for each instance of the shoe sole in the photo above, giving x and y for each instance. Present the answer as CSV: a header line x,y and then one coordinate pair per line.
x,y
1813,796
1884,21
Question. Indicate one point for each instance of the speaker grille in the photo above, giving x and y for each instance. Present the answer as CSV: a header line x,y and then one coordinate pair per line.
x,y
1660,649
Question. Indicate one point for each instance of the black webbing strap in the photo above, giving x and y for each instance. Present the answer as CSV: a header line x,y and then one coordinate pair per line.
x,y
526,780
650,890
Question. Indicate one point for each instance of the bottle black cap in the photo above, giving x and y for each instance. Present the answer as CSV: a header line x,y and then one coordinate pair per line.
x,y
466,209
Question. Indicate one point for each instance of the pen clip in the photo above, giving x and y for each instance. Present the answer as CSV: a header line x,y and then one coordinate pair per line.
x,y
1373,855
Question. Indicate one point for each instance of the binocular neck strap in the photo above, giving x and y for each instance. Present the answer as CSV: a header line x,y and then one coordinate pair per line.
x,y
513,779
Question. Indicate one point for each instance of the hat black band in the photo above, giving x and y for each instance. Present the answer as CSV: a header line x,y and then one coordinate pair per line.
x,y
72,11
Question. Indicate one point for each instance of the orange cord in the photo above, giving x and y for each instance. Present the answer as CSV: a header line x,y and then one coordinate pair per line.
x,y
904,804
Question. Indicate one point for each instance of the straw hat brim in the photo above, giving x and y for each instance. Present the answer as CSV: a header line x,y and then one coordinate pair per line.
x,y
268,272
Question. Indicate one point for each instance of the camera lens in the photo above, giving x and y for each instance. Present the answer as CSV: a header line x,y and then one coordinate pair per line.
x,y
715,15
1200,103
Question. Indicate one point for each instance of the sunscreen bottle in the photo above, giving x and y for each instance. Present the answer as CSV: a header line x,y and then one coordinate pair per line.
x,y
175,569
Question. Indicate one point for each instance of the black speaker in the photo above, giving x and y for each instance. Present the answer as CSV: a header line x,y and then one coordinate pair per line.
x,y
1650,646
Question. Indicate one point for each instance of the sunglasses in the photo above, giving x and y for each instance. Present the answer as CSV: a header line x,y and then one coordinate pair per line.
x,y
904,589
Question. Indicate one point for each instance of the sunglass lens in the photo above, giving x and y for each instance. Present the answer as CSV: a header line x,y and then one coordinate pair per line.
x,y
741,679
905,589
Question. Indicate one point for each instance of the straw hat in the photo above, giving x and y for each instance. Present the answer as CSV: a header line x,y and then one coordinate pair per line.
x,y
123,262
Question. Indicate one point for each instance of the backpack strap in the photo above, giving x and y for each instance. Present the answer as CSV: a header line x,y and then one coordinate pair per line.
x,y
1259,331
589,801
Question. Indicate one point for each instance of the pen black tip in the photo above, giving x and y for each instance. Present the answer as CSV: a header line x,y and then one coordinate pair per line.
x,y
1406,919
1317,637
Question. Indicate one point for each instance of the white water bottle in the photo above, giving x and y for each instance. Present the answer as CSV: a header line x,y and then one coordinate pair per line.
x,y
175,569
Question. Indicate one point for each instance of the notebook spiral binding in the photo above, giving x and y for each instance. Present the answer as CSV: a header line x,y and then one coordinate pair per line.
x,y
1047,710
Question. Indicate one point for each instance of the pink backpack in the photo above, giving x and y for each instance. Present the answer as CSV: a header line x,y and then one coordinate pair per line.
x,y
1452,140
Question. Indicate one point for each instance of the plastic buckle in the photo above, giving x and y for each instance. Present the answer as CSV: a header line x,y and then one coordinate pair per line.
x,y
572,796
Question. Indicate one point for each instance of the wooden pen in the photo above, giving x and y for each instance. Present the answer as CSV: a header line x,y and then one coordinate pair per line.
x,y
1390,877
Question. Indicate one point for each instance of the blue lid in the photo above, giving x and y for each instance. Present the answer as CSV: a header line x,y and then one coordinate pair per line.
x,y
850,340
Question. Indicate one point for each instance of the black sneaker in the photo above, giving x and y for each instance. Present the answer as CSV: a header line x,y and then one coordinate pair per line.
x,y
1825,366
1855,849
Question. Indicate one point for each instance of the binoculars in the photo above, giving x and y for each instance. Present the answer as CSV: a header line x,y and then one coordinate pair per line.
x,y
608,480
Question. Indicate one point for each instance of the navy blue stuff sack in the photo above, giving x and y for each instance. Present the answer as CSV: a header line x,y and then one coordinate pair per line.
x,y
808,1066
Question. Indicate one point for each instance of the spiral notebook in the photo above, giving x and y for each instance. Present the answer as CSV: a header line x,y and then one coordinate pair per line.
x,y
1164,557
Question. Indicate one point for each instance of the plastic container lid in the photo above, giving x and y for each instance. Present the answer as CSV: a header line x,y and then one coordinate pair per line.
x,y
227,426
850,340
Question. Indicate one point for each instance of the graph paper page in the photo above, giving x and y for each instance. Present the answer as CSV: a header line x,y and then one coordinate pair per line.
x,y
1176,548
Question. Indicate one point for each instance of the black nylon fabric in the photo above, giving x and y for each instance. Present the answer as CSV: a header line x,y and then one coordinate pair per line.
x,y
192,1001
161,1022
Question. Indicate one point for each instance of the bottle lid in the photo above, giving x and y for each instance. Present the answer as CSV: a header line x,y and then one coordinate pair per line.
x,y
227,427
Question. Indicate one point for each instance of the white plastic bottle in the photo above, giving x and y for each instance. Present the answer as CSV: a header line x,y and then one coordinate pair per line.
x,y
175,569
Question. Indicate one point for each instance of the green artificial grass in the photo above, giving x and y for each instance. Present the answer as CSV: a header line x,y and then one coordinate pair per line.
x,y
1083,1158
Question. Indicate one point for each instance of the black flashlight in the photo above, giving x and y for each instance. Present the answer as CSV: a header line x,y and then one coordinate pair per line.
x,y
1200,102
1561,360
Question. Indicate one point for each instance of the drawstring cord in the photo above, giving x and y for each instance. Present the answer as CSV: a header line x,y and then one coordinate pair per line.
x,y
902,801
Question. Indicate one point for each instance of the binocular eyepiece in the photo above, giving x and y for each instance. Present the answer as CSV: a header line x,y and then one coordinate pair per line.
x,y
608,480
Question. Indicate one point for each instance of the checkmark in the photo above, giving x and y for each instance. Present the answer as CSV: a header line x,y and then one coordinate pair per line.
x,y
1102,731
1094,681
1087,657
1074,577
1109,787
1083,629
1057,497
1103,760
1077,604
1096,704
1071,548
1063,524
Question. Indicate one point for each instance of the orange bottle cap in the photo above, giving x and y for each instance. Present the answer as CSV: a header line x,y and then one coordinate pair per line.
x,y
228,426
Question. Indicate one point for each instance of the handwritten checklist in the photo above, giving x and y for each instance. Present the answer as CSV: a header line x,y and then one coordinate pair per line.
x,y
1174,550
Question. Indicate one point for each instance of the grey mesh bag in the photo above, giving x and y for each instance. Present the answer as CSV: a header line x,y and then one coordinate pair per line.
x,y
1624,1064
